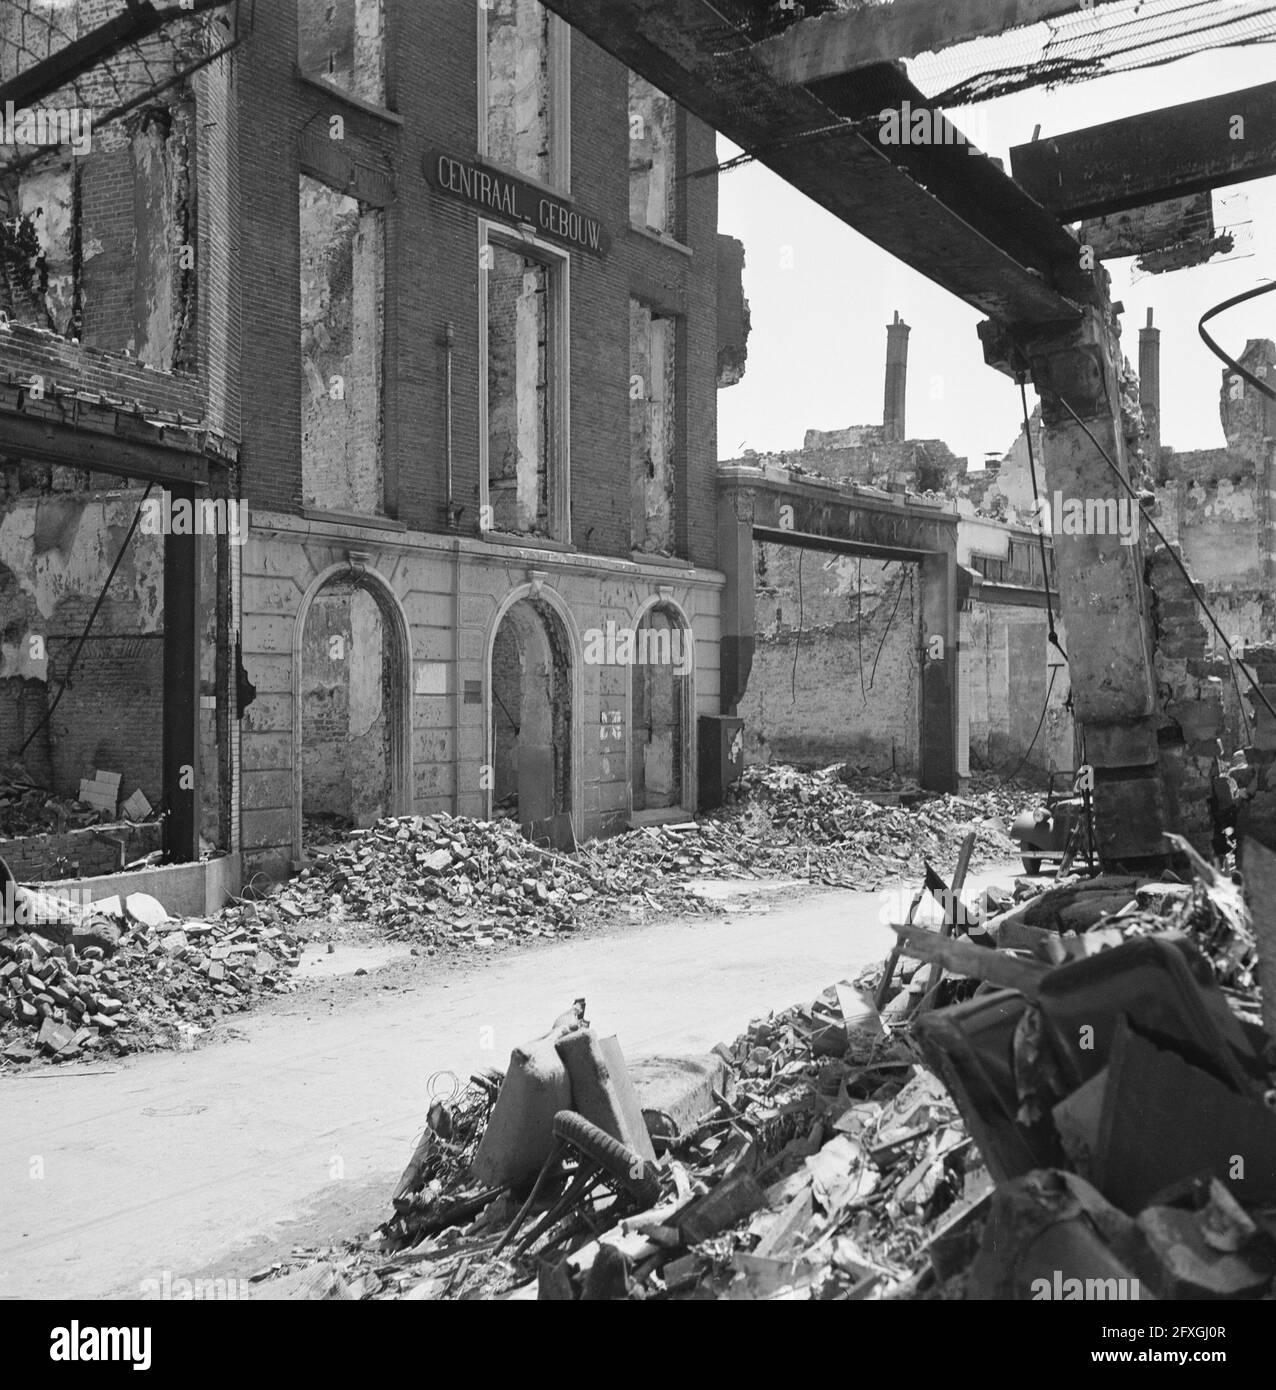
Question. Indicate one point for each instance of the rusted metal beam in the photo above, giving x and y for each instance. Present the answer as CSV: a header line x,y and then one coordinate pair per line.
x,y
687,49
830,45
1152,157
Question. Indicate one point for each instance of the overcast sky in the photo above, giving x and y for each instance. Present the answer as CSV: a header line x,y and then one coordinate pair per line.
x,y
817,352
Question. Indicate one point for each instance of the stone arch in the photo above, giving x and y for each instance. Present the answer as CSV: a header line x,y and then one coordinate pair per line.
x,y
684,693
397,689
542,624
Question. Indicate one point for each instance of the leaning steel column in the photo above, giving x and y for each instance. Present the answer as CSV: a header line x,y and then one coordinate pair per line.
x,y
1104,601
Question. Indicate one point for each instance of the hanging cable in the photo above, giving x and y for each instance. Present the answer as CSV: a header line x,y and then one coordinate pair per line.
x,y
1045,709
1240,704
1182,568
84,636
1052,635
1256,382
797,640
872,675
859,624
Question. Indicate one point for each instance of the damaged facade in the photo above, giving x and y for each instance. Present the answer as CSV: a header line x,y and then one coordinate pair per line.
x,y
115,411
841,642
458,324
1214,508
487,335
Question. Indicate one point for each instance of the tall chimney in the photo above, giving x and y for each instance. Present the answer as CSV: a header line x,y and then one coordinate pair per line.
x,y
896,379
1150,386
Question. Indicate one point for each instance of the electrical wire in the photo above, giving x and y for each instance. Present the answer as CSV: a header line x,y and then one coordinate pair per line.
x,y
889,624
1256,382
1182,568
84,636
797,640
1052,635
1045,709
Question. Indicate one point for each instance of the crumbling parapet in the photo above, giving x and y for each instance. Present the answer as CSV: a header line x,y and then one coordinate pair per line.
x,y
734,320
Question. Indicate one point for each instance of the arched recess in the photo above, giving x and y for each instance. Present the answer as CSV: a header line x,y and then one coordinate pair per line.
x,y
398,686
544,630
672,713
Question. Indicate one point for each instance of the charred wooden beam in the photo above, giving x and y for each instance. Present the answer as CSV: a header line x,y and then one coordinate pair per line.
x,y
1152,157
685,48
830,45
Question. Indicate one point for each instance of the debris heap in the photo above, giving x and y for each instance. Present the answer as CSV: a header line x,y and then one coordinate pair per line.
x,y
443,877
823,823
821,1170
26,808
126,977
1010,1125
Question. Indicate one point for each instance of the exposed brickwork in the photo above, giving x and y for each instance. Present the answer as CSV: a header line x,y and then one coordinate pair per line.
x,y
78,853
26,352
432,278
805,701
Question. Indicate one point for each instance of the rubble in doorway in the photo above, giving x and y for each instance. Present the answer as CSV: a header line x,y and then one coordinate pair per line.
x,y
1009,1124
450,880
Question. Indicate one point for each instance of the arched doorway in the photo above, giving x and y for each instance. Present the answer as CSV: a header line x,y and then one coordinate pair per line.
x,y
351,730
531,733
660,713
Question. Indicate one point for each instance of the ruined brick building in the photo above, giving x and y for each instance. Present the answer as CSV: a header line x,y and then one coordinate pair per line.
x,y
842,639
428,289
1215,507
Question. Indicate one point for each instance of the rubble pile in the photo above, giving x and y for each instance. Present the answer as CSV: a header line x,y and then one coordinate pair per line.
x,y
124,977
1009,1125
454,879
451,878
788,818
29,809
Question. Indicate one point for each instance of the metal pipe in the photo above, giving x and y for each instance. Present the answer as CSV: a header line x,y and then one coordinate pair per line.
x,y
449,344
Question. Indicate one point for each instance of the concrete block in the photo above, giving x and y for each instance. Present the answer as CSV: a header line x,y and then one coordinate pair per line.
x,y
520,1133
678,1087
602,1090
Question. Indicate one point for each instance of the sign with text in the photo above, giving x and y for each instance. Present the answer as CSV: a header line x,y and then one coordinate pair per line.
x,y
510,199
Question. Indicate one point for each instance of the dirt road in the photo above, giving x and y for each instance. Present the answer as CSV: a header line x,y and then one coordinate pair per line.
x,y
295,1130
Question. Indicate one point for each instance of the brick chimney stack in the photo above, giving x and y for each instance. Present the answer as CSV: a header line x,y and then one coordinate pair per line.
x,y
1150,386
896,379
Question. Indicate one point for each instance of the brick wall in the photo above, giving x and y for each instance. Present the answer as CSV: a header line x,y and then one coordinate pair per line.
x,y
57,544
433,268
25,352
111,714
805,701
78,853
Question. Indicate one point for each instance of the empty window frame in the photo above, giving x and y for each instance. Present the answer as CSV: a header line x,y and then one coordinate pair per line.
x,y
343,42
653,159
342,340
524,83
523,383
653,455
